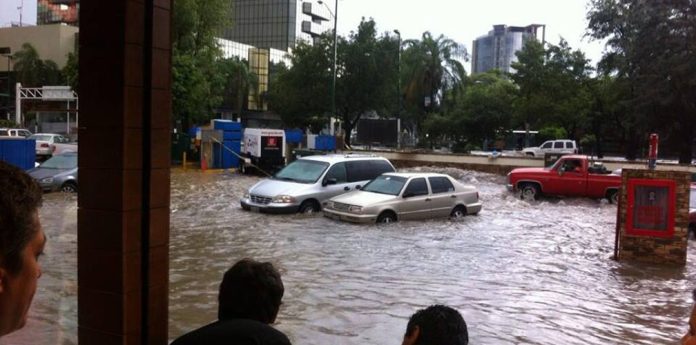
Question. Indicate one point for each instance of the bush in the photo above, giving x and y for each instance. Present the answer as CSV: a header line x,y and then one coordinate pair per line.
x,y
551,133
8,124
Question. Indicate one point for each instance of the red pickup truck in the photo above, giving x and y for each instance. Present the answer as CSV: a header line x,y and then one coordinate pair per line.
x,y
571,175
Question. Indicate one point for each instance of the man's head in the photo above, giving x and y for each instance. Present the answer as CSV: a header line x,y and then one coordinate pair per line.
x,y
21,242
250,290
436,325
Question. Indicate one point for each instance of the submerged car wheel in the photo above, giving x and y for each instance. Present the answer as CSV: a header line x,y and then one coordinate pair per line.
x,y
69,187
613,196
309,207
386,217
458,212
529,191
692,232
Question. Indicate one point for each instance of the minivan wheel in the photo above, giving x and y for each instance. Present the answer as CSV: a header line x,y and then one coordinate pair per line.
x,y
309,207
386,217
458,212
69,187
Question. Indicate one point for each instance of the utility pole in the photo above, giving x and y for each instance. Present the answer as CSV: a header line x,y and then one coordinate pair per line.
x,y
398,92
20,8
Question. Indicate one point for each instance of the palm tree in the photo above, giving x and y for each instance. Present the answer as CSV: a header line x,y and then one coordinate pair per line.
x,y
432,66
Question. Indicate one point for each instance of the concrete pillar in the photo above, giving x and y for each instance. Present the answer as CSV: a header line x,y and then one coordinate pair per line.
x,y
123,216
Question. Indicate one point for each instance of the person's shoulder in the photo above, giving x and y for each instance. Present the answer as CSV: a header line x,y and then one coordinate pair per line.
x,y
241,331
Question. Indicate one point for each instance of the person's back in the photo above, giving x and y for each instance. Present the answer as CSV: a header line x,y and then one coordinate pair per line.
x,y
436,325
249,301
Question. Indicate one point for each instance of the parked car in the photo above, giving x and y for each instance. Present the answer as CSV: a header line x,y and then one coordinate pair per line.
x,y
14,132
305,184
692,211
572,175
58,173
552,146
403,196
48,144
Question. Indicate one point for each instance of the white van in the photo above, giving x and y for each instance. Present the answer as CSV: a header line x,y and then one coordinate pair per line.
x,y
305,184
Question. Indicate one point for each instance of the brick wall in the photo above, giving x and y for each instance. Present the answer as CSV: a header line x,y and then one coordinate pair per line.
x,y
659,250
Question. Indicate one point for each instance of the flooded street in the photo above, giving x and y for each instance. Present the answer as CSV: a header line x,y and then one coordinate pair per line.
x,y
519,272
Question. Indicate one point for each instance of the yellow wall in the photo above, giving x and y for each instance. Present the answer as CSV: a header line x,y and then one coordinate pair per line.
x,y
52,42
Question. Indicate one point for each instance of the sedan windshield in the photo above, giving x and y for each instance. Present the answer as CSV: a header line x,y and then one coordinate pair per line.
x,y
303,171
385,184
61,162
41,137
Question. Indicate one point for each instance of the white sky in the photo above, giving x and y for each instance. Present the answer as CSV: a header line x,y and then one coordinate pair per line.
x,y
461,20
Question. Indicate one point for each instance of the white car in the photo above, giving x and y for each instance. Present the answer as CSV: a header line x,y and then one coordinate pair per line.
x,y
401,196
48,144
14,132
562,146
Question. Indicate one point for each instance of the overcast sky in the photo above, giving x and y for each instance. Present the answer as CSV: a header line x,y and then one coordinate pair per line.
x,y
461,20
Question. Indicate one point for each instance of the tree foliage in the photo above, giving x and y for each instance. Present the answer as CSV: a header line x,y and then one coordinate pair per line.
x,y
197,82
31,71
652,46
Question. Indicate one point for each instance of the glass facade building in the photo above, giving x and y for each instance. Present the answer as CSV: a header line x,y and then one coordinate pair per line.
x,y
58,12
497,49
276,24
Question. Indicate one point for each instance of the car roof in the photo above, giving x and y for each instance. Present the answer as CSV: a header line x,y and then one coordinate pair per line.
x,y
335,158
415,174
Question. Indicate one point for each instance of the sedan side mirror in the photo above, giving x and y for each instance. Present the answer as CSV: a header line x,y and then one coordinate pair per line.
x,y
561,170
328,181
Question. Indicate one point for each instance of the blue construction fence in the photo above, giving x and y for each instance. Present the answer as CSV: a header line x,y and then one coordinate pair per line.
x,y
232,140
18,152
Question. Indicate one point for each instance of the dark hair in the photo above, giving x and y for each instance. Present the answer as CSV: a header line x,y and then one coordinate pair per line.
x,y
20,198
250,290
439,325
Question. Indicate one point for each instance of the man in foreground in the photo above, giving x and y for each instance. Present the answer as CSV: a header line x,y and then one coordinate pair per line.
x,y
249,301
21,243
436,325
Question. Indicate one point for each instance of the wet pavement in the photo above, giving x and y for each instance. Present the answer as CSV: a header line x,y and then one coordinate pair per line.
x,y
519,272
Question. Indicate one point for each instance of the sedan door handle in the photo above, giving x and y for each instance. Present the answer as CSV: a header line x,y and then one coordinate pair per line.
x,y
453,196
346,188
428,199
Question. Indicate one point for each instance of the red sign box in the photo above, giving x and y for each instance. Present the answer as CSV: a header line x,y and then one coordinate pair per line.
x,y
651,207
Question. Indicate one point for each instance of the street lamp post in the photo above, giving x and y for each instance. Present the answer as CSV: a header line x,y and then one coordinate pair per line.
x,y
398,92
334,14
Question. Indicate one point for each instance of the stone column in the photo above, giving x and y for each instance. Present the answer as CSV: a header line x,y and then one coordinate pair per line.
x,y
123,216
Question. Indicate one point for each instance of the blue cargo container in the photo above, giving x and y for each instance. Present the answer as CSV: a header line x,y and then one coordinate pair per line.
x,y
232,136
293,136
18,152
227,125
325,143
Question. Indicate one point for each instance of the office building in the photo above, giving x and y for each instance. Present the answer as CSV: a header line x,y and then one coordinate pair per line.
x,y
278,24
58,12
52,42
497,49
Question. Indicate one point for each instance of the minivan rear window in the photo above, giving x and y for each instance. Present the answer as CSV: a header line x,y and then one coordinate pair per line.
x,y
367,169
3,132
303,171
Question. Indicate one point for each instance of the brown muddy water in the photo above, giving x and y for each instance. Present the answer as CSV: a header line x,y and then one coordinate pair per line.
x,y
519,272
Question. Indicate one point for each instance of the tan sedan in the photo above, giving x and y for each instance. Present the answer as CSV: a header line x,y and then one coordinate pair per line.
x,y
403,196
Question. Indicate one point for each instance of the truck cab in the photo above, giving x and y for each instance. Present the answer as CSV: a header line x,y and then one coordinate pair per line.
x,y
571,175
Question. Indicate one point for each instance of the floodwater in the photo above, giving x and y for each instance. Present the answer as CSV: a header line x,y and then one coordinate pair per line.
x,y
519,272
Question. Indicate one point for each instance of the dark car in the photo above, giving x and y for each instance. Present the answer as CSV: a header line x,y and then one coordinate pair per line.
x,y
58,173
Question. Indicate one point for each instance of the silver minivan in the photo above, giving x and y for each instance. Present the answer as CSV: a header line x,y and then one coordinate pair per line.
x,y
305,184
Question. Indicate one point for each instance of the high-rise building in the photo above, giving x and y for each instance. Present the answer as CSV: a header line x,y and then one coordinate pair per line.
x,y
277,24
497,49
58,12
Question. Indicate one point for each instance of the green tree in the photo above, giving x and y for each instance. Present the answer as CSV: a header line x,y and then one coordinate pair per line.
x,y
367,75
430,67
31,71
300,94
238,80
197,82
660,78
71,71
